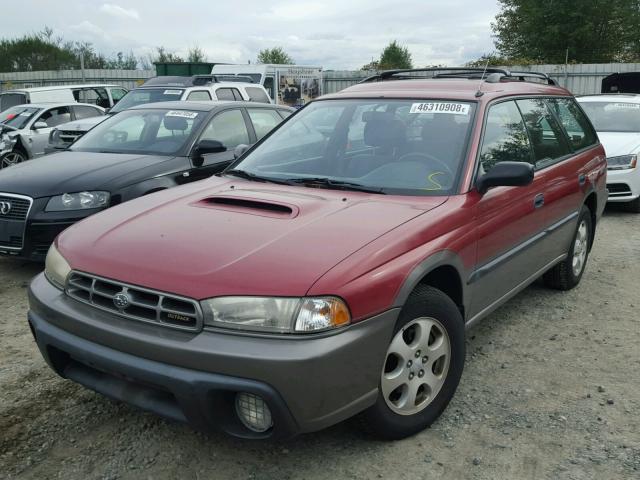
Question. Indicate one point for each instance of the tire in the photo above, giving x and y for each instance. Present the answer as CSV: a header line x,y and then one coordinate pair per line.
x,y
17,155
428,321
634,206
568,273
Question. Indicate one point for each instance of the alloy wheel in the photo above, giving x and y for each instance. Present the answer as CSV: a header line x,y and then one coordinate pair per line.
x,y
580,248
11,158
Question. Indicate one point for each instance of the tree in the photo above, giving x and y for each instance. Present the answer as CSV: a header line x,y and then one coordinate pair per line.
x,y
196,55
395,56
372,65
593,31
275,55
164,56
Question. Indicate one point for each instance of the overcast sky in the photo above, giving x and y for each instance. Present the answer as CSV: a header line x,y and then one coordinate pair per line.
x,y
334,34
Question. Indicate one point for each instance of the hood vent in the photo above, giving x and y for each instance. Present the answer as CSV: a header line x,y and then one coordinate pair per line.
x,y
249,205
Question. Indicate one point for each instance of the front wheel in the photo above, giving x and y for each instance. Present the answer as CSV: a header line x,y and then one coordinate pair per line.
x,y
12,158
422,366
568,273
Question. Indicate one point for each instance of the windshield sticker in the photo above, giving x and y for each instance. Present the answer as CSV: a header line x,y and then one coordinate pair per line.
x,y
441,107
172,92
180,113
627,105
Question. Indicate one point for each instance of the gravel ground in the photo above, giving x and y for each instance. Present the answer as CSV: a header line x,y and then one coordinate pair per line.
x,y
551,389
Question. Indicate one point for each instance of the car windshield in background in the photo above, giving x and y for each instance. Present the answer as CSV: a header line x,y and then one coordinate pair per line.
x,y
18,117
616,116
148,95
411,147
153,131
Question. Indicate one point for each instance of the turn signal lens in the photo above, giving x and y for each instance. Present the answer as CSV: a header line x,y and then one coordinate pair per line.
x,y
56,268
322,313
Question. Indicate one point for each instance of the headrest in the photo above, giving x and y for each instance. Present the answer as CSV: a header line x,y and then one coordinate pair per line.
x,y
382,129
175,123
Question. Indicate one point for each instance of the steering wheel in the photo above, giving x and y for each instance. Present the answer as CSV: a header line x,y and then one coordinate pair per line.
x,y
420,156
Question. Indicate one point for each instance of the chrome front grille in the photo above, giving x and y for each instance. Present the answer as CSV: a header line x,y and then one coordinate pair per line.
x,y
70,136
14,210
134,302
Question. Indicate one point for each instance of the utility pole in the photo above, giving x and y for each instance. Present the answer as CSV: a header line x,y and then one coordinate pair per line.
x,y
82,65
566,69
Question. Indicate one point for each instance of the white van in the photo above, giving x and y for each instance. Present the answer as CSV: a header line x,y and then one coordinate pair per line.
x,y
102,95
292,85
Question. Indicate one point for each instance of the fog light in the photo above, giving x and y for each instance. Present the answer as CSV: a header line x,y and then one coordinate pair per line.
x,y
253,412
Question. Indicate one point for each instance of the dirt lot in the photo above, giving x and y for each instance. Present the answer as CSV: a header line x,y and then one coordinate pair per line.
x,y
551,390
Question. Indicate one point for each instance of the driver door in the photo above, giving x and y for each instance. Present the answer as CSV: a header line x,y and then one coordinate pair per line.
x,y
230,128
38,138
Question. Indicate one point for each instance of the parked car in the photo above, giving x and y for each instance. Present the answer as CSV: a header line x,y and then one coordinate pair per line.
x,y
332,269
25,129
136,152
616,118
102,95
164,89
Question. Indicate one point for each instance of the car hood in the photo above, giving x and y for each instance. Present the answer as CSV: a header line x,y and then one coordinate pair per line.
x,y
619,143
82,125
233,238
68,172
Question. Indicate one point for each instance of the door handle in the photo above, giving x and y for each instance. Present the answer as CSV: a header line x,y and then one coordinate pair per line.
x,y
582,178
538,201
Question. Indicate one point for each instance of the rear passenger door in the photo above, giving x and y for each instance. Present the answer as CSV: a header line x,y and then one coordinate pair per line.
x,y
510,220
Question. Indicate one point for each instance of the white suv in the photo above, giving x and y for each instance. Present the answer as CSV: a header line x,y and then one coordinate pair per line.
x,y
198,88
616,118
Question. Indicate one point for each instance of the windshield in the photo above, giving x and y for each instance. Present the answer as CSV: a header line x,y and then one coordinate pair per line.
x,y
616,116
148,95
18,117
149,132
410,147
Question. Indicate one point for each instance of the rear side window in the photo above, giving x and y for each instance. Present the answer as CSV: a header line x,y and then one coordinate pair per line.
x,y
82,111
574,121
8,100
228,94
263,120
546,136
257,95
505,137
199,95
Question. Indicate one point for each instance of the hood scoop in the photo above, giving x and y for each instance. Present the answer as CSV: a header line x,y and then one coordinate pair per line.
x,y
265,208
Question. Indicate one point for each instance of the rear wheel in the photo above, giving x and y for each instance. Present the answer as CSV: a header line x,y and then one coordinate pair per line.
x,y
13,158
422,367
568,273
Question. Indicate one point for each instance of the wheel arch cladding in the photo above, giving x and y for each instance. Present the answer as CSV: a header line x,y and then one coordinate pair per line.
x,y
441,271
592,204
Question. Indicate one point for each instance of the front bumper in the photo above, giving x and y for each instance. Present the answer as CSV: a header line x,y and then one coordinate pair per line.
x,y
623,185
309,382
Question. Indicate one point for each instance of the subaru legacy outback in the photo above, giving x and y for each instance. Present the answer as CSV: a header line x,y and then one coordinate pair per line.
x,y
332,269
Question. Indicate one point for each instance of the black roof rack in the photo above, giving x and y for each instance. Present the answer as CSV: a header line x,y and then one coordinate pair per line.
x,y
490,74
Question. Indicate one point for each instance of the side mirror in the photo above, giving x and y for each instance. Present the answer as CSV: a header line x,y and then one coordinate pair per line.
x,y
39,125
506,174
205,147
239,150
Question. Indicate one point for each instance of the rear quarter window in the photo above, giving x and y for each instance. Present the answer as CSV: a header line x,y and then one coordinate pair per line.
x,y
576,124
257,95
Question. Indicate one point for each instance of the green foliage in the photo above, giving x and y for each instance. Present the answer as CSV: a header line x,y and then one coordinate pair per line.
x,y
594,31
275,55
196,54
164,56
393,56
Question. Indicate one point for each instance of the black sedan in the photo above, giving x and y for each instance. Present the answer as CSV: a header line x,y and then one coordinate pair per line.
x,y
138,151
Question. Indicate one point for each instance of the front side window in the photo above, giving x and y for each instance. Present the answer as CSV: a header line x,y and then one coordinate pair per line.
x,y
616,116
367,144
547,138
117,94
229,128
56,116
574,121
505,137
199,95
257,95
153,131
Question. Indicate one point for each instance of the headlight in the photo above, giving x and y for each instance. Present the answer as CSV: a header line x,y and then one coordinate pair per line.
x,y
54,136
622,162
273,314
78,201
56,268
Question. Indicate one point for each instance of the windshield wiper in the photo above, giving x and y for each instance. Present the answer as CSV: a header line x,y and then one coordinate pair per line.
x,y
335,184
252,176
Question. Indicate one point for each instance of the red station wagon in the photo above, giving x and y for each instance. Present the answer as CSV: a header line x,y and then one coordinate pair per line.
x,y
333,268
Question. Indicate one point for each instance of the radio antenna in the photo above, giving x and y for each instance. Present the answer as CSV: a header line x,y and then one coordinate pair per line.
x,y
479,93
